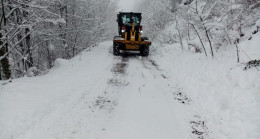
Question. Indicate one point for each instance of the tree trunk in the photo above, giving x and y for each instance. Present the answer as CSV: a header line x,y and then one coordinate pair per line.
x,y
212,53
19,20
29,51
237,53
29,60
5,72
179,34
63,14
200,39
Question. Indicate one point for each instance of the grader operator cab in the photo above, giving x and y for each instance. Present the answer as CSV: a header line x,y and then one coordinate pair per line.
x,y
130,34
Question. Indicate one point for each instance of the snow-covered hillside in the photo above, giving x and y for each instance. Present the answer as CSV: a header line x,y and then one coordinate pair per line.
x,y
170,94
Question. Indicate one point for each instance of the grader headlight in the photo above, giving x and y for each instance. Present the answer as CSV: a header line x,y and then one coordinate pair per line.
x,y
140,29
123,29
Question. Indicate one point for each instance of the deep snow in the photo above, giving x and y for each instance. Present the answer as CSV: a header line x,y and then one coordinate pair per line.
x,y
170,94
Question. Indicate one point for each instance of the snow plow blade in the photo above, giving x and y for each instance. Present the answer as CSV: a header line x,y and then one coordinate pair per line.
x,y
125,45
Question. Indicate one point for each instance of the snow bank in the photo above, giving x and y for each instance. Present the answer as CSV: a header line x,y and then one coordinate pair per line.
x,y
222,93
59,62
44,107
33,71
250,49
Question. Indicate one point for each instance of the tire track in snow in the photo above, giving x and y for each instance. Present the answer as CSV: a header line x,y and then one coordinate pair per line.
x,y
143,108
107,102
119,70
198,125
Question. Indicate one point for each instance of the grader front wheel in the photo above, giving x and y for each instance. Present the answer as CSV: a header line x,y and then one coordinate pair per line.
x,y
144,50
116,50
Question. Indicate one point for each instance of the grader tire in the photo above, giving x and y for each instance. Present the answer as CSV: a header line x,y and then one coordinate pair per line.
x,y
145,50
116,50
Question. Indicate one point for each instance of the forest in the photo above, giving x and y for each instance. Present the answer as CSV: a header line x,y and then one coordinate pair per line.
x,y
202,24
36,32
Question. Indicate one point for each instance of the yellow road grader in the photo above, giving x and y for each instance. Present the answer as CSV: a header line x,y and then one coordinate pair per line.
x,y
130,35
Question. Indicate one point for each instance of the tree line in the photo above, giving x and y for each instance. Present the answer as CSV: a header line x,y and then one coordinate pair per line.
x,y
33,33
201,25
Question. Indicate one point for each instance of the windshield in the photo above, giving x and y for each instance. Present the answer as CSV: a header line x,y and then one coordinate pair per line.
x,y
135,19
127,19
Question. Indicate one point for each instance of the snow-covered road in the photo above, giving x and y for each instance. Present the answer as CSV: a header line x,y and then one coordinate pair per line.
x,y
145,109
95,95
99,96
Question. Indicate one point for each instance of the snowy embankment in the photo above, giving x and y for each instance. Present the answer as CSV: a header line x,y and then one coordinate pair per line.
x,y
226,97
53,105
170,94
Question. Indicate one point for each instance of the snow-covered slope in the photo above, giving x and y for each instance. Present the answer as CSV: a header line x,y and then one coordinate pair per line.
x,y
170,94
223,94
